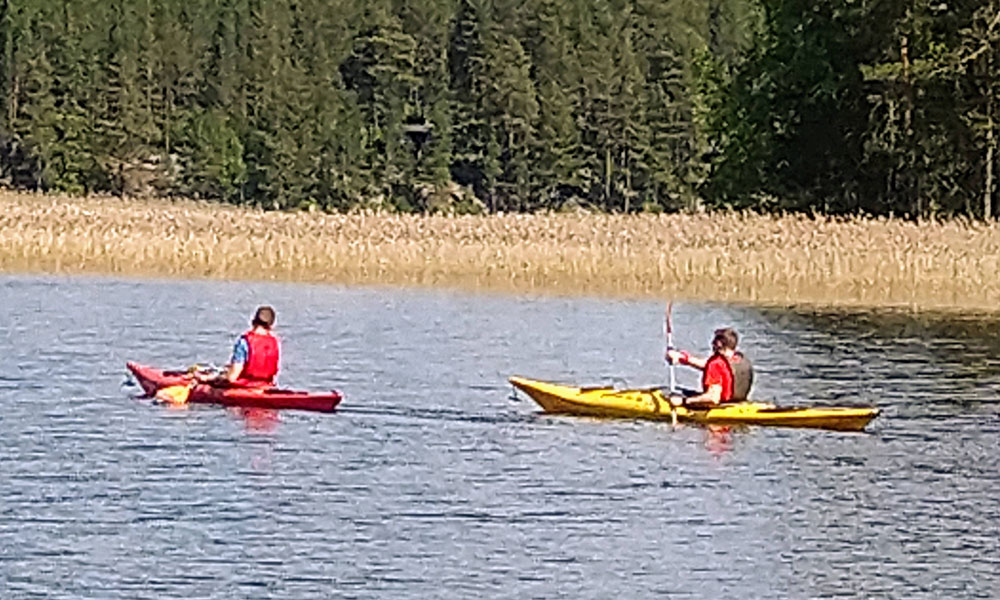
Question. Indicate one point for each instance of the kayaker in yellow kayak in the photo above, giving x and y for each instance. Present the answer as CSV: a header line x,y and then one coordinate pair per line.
x,y
256,355
727,374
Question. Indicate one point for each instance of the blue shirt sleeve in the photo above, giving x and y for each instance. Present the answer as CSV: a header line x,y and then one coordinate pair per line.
x,y
241,351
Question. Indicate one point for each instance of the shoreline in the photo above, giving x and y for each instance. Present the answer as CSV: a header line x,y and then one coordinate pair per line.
x,y
748,259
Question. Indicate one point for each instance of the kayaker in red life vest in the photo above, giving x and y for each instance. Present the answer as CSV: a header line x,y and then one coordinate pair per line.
x,y
727,375
256,355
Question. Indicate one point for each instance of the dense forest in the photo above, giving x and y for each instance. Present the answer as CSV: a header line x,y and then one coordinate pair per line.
x,y
832,106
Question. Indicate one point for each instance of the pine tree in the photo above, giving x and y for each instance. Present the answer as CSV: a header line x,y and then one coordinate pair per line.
x,y
558,157
613,117
33,109
511,108
381,72
277,144
467,80
428,123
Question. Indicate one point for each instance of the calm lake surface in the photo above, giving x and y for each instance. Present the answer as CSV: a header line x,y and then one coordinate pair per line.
x,y
431,482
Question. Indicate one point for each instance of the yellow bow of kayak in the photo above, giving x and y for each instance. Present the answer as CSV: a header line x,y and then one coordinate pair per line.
x,y
653,404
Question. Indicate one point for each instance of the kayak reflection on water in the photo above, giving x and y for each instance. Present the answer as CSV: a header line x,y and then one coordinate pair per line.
x,y
727,375
718,439
256,355
258,420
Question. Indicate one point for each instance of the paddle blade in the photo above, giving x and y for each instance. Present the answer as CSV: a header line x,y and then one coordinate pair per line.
x,y
669,318
668,324
174,394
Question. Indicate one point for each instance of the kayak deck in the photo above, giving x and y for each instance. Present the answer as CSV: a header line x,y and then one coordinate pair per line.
x,y
653,404
152,380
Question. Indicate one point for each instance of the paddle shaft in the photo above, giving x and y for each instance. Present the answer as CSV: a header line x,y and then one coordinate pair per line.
x,y
669,324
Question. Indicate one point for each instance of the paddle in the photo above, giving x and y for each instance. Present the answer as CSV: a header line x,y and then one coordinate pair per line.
x,y
178,394
175,394
668,326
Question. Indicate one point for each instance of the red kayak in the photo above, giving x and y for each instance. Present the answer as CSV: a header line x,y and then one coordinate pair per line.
x,y
151,380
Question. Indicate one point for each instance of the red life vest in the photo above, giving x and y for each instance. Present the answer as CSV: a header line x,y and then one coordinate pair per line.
x,y
718,363
737,377
262,359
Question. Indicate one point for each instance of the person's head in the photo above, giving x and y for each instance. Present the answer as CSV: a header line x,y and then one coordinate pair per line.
x,y
264,317
724,339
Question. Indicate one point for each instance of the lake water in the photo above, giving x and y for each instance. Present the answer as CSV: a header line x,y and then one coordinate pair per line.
x,y
431,482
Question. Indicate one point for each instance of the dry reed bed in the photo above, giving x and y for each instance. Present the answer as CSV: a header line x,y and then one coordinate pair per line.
x,y
733,257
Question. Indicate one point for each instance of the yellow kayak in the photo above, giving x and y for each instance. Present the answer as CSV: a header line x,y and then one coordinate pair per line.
x,y
653,404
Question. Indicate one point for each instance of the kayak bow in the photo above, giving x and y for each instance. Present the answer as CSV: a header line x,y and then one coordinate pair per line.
x,y
653,404
152,380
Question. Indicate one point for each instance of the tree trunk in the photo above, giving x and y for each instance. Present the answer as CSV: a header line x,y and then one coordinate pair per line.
x,y
6,66
904,55
628,179
991,138
169,116
990,154
607,177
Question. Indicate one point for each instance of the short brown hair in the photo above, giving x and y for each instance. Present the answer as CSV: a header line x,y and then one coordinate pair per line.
x,y
726,338
264,317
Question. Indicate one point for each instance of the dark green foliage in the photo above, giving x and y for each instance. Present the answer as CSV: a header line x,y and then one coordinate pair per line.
x,y
931,128
875,107
622,105
213,158
381,72
795,109
559,159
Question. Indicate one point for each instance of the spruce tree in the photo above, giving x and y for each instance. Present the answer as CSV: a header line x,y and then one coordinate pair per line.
x,y
380,71
558,157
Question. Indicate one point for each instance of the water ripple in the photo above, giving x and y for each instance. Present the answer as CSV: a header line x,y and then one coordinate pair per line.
x,y
431,483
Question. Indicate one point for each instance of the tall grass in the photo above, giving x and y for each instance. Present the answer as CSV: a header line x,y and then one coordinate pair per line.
x,y
742,257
